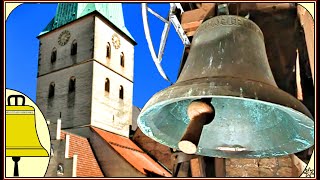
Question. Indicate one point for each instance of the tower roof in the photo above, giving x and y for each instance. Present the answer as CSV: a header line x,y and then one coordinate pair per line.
x,y
68,12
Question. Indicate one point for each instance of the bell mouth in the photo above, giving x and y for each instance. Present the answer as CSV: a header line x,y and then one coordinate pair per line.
x,y
242,127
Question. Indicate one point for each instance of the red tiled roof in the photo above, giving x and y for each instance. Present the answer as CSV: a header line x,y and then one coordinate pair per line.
x,y
87,165
132,153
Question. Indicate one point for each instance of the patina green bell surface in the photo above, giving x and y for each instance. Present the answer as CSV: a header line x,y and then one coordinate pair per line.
x,y
253,118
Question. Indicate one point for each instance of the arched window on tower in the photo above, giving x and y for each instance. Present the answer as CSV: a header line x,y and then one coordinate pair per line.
x,y
122,59
121,92
51,90
108,50
72,84
74,47
107,85
53,55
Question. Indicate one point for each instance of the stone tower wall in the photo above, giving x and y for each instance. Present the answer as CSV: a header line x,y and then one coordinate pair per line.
x,y
74,107
103,34
81,31
89,104
109,112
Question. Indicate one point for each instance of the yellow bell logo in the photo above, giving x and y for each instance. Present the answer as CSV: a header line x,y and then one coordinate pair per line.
x,y
21,133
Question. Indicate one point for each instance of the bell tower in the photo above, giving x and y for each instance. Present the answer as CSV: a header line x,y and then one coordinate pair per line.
x,y
85,69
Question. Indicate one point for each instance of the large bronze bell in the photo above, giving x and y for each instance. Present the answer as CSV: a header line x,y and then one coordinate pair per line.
x,y
225,102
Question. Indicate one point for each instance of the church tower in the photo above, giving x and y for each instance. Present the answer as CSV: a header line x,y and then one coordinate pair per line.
x,y
85,69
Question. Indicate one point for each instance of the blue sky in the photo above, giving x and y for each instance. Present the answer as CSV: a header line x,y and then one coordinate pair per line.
x,y
28,20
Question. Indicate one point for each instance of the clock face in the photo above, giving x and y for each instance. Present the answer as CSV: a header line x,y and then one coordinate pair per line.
x,y
64,37
116,41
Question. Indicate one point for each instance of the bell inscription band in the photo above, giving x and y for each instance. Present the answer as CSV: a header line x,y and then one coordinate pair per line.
x,y
253,118
21,134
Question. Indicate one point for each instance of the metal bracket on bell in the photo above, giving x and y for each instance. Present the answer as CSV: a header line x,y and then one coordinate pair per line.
x,y
223,9
178,158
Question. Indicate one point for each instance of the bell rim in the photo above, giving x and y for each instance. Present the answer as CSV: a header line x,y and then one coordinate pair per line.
x,y
230,97
156,101
253,154
233,83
